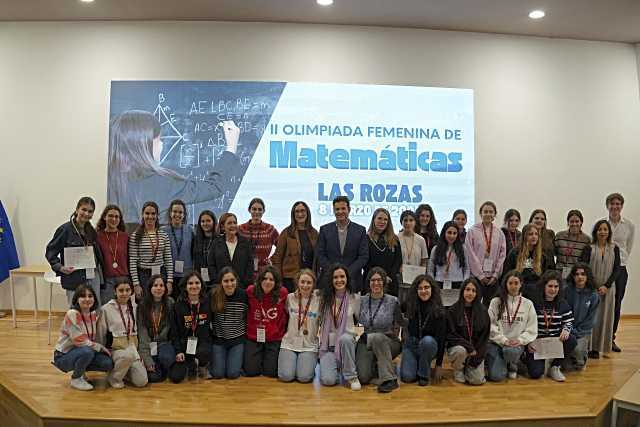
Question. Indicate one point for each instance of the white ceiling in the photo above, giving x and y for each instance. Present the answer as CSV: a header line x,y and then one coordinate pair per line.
x,y
609,20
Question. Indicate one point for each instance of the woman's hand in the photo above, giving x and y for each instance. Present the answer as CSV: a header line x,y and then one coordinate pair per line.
x,y
180,357
531,348
67,270
231,134
169,287
137,290
564,335
436,374
602,291
513,343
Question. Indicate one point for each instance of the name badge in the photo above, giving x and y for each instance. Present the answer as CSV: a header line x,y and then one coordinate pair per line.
x,y
446,285
332,339
487,265
155,270
565,272
192,344
261,335
179,268
204,272
255,264
90,273
153,347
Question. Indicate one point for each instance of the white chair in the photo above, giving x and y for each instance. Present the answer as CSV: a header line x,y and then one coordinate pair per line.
x,y
51,278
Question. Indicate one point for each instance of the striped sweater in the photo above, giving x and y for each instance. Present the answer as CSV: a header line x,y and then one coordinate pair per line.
x,y
141,254
230,326
78,332
553,318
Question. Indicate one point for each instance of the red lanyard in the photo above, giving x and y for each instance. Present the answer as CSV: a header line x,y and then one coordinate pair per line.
x,y
337,315
154,245
449,260
156,323
514,239
194,318
92,334
548,319
469,325
126,323
302,317
511,319
487,239
113,251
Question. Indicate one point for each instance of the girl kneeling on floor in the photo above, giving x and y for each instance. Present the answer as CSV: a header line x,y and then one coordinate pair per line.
x,y
77,349
119,318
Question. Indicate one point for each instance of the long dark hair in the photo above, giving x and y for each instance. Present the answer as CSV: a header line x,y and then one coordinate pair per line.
x,y
89,231
102,222
184,295
81,291
479,316
431,226
275,292
171,205
594,232
291,229
434,304
199,231
131,136
218,297
140,228
503,292
146,307
440,254
328,292
125,281
591,283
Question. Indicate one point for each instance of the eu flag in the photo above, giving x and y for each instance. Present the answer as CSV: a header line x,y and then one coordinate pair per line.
x,y
8,253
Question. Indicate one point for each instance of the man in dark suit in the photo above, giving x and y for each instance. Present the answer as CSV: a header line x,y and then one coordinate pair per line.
x,y
343,242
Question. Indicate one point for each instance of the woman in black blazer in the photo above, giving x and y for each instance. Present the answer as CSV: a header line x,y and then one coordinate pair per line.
x,y
232,250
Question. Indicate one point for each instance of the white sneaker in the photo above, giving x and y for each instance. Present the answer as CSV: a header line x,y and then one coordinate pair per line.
x,y
81,384
355,384
555,374
513,375
458,376
203,372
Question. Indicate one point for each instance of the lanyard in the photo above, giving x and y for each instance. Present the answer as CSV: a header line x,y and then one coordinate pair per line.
x,y
113,251
487,239
194,318
409,247
514,238
154,245
469,325
337,315
422,321
548,319
372,318
156,322
449,254
91,334
302,317
205,250
126,323
82,236
176,241
511,319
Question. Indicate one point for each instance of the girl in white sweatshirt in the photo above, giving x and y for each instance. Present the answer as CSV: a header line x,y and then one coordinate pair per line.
x,y
514,324
119,316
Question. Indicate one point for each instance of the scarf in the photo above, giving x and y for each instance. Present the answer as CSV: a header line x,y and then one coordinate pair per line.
x,y
327,328
602,266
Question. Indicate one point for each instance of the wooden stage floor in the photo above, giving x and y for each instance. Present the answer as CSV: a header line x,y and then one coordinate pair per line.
x,y
34,393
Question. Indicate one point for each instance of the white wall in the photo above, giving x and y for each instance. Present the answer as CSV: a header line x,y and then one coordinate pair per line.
x,y
557,121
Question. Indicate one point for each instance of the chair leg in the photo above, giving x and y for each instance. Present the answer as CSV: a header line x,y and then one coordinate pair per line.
x,y
13,301
50,304
35,300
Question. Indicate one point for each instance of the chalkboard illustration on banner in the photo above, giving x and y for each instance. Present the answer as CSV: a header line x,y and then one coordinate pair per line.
x,y
191,140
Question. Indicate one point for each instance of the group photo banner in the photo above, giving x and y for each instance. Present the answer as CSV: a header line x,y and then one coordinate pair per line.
x,y
218,144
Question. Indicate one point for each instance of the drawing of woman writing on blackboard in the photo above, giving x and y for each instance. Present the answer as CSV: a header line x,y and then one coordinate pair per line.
x,y
135,174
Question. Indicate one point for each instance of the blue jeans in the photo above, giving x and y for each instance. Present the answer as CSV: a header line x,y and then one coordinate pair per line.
x,y
297,365
226,361
82,359
536,367
163,361
500,360
417,355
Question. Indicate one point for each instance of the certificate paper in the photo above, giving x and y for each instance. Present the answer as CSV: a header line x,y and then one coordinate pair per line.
x,y
548,348
79,257
410,272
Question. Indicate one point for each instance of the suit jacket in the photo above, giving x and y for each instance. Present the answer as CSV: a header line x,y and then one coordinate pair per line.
x,y
242,261
355,256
